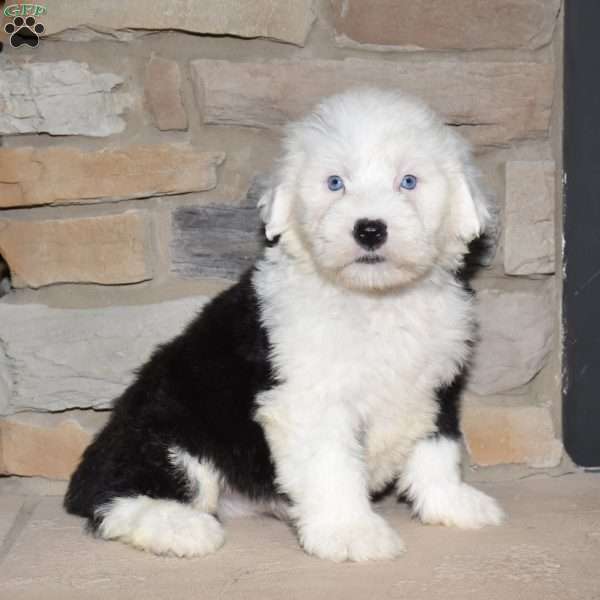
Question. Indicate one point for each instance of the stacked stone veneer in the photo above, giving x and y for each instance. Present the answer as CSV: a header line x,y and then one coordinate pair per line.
x,y
130,137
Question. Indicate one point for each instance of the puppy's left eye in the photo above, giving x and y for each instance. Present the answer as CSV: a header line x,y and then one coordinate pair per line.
x,y
409,182
335,183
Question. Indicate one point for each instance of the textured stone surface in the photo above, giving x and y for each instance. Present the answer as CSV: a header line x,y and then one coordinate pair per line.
x,y
214,241
498,435
9,509
30,176
54,359
547,550
45,444
50,444
105,249
441,25
163,94
495,102
285,20
32,486
61,98
517,333
529,227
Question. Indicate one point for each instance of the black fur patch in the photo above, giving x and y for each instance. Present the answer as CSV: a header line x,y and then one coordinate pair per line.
x,y
448,397
196,392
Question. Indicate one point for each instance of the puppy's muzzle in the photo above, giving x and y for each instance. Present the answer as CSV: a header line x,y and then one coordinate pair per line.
x,y
370,234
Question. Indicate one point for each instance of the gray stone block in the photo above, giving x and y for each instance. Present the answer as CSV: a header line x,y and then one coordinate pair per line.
x,y
53,359
529,228
60,98
210,241
516,330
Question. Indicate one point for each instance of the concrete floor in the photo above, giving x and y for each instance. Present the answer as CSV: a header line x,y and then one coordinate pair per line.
x,y
549,549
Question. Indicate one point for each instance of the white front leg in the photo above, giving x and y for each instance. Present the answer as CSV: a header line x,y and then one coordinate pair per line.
x,y
319,464
432,481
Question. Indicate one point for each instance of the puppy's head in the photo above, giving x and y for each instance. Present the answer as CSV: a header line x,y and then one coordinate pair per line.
x,y
375,190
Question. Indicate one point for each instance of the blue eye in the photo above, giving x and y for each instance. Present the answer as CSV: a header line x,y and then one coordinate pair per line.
x,y
335,183
409,182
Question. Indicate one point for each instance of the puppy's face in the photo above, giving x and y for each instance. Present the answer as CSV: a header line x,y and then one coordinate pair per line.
x,y
371,217
375,191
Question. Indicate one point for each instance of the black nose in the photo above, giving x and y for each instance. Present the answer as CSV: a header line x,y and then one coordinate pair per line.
x,y
370,234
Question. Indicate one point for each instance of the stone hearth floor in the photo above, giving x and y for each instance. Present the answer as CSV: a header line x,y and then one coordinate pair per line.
x,y
548,549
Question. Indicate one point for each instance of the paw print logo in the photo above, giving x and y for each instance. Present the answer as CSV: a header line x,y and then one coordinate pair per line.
x,y
24,32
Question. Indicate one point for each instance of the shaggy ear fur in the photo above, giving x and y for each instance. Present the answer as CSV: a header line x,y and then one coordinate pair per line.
x,y
470,213
275,208
262,194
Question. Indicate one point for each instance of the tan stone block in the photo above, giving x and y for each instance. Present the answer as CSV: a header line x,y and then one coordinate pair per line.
x,y
510,435
163,93
285,20
105,249
30,176
529,228
490,102
441,25
47,445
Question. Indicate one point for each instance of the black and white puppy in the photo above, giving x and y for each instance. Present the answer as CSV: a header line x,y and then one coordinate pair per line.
x,y
329,370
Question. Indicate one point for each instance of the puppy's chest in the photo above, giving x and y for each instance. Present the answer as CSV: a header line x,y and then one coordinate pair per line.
x,y
369,349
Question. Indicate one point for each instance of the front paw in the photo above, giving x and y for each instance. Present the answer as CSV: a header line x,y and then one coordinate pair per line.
x,y
458,505
367,538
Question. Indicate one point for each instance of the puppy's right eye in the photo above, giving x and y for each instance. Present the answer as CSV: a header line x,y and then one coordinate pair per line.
x,y
335,183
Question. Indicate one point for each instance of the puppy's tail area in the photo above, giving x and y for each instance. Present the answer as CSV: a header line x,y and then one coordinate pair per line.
x,y
159,526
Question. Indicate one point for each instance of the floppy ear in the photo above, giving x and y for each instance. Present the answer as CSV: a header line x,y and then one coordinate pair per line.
x,y
471,216
275,209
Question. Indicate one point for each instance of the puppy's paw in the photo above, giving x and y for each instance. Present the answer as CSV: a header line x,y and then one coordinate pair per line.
x,y
458,505
367,538
161,527
184,536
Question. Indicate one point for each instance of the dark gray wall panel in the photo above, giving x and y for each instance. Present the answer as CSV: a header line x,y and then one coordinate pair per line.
x,y
581,292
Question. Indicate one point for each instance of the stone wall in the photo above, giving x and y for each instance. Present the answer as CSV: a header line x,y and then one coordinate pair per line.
x,y
129,138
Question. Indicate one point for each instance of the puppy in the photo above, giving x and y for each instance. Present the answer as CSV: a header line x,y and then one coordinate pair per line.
x,y
329,371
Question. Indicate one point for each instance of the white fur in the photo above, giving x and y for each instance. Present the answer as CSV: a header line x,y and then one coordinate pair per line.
x,y
433,483
160,526
372,138
212,495
203,479
233,505
360,348
357,392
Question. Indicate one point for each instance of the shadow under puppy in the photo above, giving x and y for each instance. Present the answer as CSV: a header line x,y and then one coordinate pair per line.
x,y
326,372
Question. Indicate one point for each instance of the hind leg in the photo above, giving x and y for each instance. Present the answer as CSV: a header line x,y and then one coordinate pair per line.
x,y
159,526
167,525
140,491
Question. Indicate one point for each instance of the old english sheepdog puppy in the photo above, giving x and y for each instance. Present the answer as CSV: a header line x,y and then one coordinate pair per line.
x,y
329,371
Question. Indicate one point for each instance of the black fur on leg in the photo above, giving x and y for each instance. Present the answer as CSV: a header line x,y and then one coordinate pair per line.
x,y
448,397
